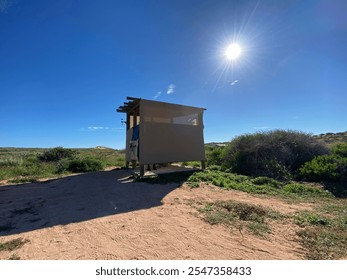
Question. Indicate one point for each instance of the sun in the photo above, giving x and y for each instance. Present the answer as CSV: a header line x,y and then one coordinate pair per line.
x,y
233,51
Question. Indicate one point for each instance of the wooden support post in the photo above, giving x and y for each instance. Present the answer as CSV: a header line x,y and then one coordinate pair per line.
x,y
133,164
127,163
128,121
203,164
134,119
142,170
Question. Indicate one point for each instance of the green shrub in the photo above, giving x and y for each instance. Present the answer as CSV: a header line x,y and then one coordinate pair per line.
x,y
309,218
266,181
340,149
85,165
304,190
62,165
56,154
325,168
191,163
259,185
23,180
214,168
214,155
231,181
277,154
78,165
11,161
30,160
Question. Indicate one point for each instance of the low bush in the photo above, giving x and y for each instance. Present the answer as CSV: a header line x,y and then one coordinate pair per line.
x,y
191,163
214,168
266,181
340,149
259,185
56,154
231,181
214,155
325,168
277,154
304,190
62,166
78,165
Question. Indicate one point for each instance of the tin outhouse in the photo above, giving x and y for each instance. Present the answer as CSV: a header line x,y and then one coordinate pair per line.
x,y
159,132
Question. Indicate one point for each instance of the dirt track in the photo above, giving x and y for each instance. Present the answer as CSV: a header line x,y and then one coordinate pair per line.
x,y
104,215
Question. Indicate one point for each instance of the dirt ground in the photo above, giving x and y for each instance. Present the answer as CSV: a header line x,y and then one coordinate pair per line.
x,y
104,215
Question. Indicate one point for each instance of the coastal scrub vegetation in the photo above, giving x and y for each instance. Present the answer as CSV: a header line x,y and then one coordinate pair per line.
x,y
19,165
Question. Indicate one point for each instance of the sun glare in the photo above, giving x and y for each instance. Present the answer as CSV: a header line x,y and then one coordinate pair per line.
x,y
233,51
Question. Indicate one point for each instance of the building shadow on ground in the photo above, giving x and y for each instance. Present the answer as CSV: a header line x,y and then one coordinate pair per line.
x,y
75,199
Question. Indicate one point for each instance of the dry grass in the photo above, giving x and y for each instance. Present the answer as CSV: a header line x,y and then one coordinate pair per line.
x,y
13,244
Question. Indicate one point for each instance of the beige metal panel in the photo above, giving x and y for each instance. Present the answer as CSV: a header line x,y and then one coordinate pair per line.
x,y
162,109
170,133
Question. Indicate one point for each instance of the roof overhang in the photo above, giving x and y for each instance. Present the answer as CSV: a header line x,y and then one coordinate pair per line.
x,y
130,106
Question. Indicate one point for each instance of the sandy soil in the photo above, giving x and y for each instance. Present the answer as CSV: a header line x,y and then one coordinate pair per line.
x,y
104,215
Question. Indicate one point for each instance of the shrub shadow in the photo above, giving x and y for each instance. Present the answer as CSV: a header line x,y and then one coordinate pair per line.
x,y
338,189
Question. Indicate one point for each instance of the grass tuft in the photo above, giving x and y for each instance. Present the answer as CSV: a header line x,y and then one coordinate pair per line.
x,y
307,218
23,180
13,244
323,244
14,257
239,215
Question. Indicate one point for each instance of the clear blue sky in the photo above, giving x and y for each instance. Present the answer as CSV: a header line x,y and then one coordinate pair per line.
x,y
65,66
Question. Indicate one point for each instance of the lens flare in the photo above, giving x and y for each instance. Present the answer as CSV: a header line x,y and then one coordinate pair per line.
x,y
233,51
